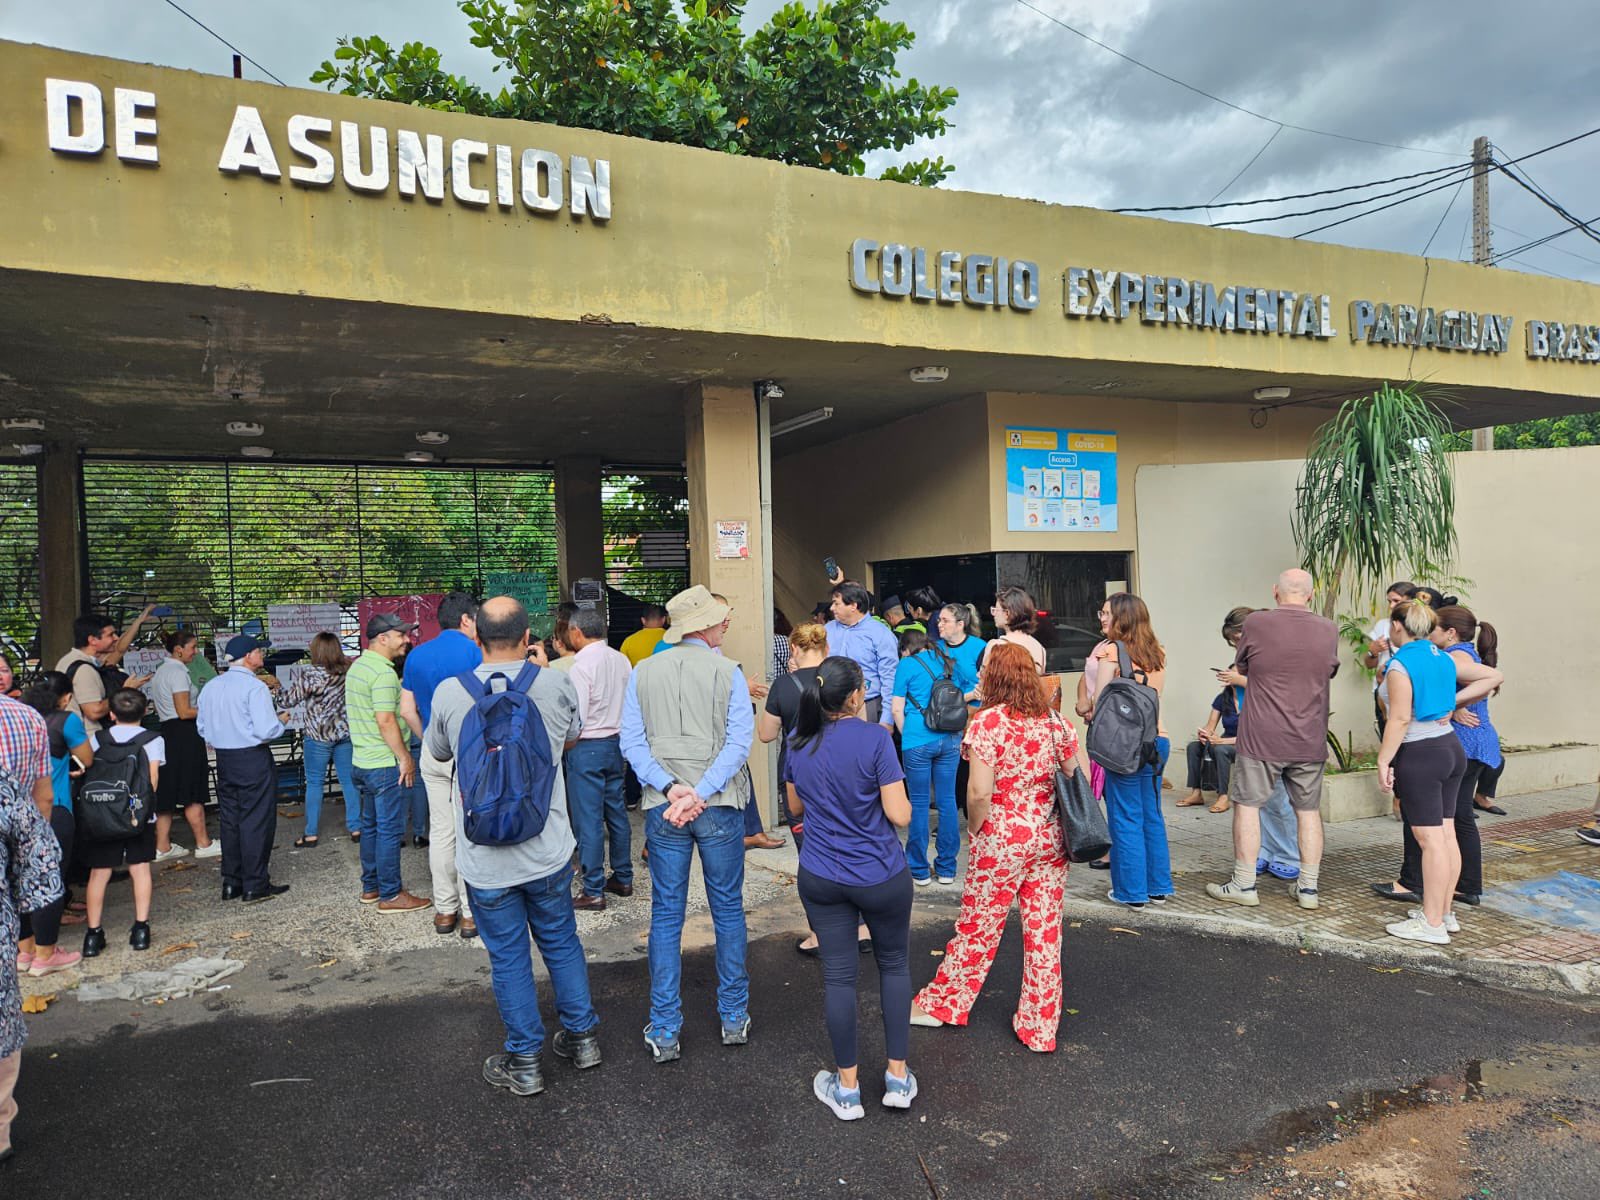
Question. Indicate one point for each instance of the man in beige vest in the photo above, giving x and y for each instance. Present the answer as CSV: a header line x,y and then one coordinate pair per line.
x,y
686,731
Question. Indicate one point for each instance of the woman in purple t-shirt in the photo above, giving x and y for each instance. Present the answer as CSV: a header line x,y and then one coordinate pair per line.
x,y
842,775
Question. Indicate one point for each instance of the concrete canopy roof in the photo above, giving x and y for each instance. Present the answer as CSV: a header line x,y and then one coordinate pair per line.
x,y
144,304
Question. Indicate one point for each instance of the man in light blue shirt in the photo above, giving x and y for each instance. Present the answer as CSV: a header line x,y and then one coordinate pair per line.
x,y
872,644
687,727
237,717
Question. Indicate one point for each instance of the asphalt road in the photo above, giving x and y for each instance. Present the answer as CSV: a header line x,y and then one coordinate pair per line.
x,y
1182,1049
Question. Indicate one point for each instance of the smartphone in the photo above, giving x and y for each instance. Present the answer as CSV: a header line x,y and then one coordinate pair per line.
x,y
831,567
161,610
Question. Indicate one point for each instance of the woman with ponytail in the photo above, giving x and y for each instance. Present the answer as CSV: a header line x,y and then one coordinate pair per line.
x,y
1423,763
843,777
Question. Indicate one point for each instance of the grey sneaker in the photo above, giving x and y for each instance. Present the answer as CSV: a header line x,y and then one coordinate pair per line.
x,y
519,1074
899,1093
582,1049
1451,925
1231,893
1415,930
736,1033
845,1105
664,1048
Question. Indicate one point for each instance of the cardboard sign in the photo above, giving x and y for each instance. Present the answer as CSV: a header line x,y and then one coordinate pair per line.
x,y
292,626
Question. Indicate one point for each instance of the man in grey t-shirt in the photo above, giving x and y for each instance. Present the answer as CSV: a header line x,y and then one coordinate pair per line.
x,y
526,886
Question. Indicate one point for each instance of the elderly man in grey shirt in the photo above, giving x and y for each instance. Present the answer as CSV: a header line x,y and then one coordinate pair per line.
x,y
527,886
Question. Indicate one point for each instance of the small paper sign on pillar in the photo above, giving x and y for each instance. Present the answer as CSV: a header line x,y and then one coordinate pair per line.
x,y
733,539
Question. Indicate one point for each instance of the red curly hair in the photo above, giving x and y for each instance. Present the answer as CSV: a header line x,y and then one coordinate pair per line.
x,y
1010,678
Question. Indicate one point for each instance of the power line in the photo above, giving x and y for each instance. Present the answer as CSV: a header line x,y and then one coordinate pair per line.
x,y
1249,112
1354,187
1552,237
1240,173
1454,196
1311,212
228,44
1522,183
1380,208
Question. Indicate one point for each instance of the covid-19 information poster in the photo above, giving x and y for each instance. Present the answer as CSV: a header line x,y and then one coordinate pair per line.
x,y
1061,481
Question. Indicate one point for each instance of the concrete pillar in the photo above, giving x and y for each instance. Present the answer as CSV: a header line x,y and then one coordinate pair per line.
x,y
723,462
580,526
61,582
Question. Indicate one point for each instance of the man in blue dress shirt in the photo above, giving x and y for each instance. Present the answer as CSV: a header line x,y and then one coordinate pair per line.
x,y
853,634
236,716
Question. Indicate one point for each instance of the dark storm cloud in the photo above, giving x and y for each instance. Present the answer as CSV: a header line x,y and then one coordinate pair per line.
x,y
1043,114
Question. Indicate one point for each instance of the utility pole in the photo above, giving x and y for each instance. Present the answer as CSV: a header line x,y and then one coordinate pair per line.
x,y
1482,248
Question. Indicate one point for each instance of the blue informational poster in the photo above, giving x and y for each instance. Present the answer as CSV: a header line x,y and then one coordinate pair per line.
x,y
1061,481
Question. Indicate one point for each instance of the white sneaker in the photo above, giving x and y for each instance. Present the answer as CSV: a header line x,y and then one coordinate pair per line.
x,y
1413,929
1233,894
899,1093
1305,897
212,851
171,852
921,882
1451,925
845,1105
946,880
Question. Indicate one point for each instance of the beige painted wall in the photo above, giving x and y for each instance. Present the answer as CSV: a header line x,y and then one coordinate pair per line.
x,y
1148,432
699,241
916,487
1525,520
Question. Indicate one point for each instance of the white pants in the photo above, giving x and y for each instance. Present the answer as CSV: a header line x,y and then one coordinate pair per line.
x,y
438,780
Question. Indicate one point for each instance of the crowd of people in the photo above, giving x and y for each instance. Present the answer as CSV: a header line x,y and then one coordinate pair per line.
x,y
890,718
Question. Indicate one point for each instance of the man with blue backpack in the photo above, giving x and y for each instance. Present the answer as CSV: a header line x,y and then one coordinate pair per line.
x,y
504,726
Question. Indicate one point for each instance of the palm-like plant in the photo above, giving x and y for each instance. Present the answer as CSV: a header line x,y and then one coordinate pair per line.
x,y
1376,496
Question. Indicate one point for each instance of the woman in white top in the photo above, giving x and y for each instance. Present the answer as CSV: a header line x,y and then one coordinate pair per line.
x,y
1015,619
185,779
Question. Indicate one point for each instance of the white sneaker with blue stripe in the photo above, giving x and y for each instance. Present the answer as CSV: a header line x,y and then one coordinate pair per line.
x,y
845,1105
899,1093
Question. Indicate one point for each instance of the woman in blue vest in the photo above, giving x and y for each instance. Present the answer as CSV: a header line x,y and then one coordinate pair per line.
x,y
1421,761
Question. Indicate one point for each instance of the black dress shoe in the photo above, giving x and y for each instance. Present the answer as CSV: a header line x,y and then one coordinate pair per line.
x,y
1388,892
519,1074
1469,898
139,935
94,942
231,891
266,893
583,1049
419,840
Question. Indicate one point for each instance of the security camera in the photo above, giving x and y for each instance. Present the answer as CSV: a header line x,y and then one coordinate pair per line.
x,y
770,389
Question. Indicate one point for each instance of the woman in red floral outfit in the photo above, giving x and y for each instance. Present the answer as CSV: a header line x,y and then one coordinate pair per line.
x,y
1013,746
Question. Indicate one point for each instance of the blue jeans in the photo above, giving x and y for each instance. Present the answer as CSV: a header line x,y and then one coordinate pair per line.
x,y
383,828
931,769
317,756
719,834
1141,864
505,918
595,802
416,798
1280,832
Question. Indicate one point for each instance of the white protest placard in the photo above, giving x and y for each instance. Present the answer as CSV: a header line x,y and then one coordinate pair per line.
x,y
292,626
143,661
286,676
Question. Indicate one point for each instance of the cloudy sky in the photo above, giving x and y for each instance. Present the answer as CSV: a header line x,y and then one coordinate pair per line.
x,y
1047,115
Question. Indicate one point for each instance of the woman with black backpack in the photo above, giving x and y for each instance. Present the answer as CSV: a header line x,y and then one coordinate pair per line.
x,y
930,712
1141,863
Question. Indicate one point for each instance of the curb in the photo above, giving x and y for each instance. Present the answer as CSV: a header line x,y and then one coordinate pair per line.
x,y
1567,979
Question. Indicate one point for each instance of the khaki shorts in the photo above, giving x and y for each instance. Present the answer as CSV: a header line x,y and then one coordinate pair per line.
x,y
1254,781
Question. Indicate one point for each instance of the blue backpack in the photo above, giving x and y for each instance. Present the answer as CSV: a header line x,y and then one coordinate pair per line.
x,y
503,761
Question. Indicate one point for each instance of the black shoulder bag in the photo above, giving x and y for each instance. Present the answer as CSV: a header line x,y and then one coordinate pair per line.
x,y
1083,825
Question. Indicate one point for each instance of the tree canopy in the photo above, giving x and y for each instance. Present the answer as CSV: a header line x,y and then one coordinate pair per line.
x,y
813,87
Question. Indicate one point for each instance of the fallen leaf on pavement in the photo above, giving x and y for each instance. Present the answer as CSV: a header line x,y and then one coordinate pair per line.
x,y
177,866
1385,970
1334,1104
240,935
177,946
178,891
37,1004
1072,1012
1075,925
326,963
936,953
1120,929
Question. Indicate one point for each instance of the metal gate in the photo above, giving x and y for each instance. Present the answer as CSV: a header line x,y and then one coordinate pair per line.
x,y
19,561
219,541
645,513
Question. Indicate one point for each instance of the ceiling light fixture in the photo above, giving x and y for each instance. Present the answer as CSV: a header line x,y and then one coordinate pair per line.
x,y
256,451
432,437
28,449
1266,395
420,456
929,374
815,416
770,389
245,429
23,425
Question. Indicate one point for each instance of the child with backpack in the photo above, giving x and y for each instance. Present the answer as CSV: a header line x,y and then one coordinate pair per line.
x,y
116,815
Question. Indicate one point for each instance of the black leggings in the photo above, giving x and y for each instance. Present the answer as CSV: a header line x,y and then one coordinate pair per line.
x,y
1466,826
44,926
835,910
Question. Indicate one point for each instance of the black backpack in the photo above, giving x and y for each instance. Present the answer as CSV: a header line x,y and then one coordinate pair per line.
x,y
111,678
1122,734
115,801
947,707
